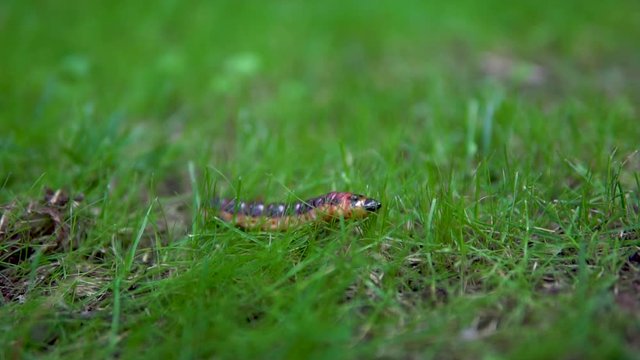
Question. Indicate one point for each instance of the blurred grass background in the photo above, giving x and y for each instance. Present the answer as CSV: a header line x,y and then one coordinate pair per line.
x,y
289,76
456,115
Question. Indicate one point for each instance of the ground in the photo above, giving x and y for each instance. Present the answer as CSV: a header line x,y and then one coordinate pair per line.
x,y
500,137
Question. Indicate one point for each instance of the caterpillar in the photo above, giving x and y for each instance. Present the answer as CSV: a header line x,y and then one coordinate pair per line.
x,y
280,216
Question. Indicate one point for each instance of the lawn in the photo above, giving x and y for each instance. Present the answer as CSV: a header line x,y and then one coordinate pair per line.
x,y
502,139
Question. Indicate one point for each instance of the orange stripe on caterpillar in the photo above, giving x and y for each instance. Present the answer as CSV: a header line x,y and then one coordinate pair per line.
x,y
278,216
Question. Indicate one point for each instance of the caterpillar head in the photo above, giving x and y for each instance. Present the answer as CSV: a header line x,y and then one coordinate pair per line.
x,y
358,206
357,201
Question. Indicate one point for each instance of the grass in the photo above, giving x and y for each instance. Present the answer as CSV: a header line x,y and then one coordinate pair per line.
x,y
501,138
